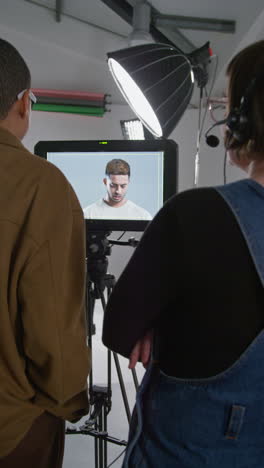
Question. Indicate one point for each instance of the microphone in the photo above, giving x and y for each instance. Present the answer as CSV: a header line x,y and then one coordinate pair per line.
x,y
213,140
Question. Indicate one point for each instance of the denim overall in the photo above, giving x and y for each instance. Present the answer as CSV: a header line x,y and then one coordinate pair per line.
x,y
215,422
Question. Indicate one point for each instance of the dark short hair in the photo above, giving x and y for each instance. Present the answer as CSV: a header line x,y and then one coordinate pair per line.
x,y
117,167
14,76
246,66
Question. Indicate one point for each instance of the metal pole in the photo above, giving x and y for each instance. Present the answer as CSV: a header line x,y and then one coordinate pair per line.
x,y
58,10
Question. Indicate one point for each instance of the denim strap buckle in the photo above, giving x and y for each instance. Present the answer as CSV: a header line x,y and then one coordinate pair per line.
x,y
235,421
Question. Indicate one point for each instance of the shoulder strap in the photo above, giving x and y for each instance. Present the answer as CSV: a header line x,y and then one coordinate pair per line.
x,y
246,200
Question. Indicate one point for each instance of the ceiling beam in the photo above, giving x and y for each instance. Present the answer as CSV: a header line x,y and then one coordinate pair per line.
x,y
190,22
96,26
122,8
125,11
178,38
162,26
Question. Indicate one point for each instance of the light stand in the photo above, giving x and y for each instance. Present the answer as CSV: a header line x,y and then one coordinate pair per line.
x,y
98,247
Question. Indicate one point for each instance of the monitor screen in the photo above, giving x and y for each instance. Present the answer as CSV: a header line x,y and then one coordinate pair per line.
x,y
121,184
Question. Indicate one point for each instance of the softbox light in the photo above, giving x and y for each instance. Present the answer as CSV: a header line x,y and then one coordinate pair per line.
x,y
157,81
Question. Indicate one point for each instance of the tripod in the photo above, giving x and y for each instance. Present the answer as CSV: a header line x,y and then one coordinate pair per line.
x,y
98,280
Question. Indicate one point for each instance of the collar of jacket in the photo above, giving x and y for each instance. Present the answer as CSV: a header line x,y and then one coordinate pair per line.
x,y
7,138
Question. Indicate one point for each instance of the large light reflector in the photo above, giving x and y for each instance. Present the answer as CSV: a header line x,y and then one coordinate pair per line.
x,y
157,82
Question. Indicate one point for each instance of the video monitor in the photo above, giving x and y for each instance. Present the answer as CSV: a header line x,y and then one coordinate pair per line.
x,y
121,184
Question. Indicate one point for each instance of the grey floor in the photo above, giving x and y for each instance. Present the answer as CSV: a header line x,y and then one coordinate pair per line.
x,y
79,449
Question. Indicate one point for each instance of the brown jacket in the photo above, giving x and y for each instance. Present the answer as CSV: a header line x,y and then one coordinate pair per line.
x,y
44,359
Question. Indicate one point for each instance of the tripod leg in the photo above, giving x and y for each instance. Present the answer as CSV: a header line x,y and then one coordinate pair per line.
x,y
101,442
122,386
105,441
96,449
135,379
116,359
90,304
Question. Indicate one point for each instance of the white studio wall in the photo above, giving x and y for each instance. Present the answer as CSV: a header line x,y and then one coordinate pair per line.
x,y
59,126
66,55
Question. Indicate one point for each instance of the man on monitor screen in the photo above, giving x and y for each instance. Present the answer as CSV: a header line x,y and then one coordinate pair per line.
x,y
115,204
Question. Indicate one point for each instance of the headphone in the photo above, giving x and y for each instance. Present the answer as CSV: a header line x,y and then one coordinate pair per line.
x,y
237,121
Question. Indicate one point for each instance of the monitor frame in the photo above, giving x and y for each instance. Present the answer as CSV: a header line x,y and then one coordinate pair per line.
x,y
170,174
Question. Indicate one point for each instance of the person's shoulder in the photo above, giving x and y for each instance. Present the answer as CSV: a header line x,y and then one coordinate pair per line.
x,y
199,192
197,206
35,171
93,208
96,204
193,196
40,167
139,209
195,201
132,205
49,169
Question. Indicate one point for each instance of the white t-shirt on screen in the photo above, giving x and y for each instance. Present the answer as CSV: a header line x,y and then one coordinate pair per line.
x,y
101,210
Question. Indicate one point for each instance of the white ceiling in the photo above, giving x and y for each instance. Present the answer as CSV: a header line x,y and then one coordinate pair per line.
x,y
71,54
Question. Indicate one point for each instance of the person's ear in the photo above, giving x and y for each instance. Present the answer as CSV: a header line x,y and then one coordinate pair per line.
x,y
24,105
105,180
